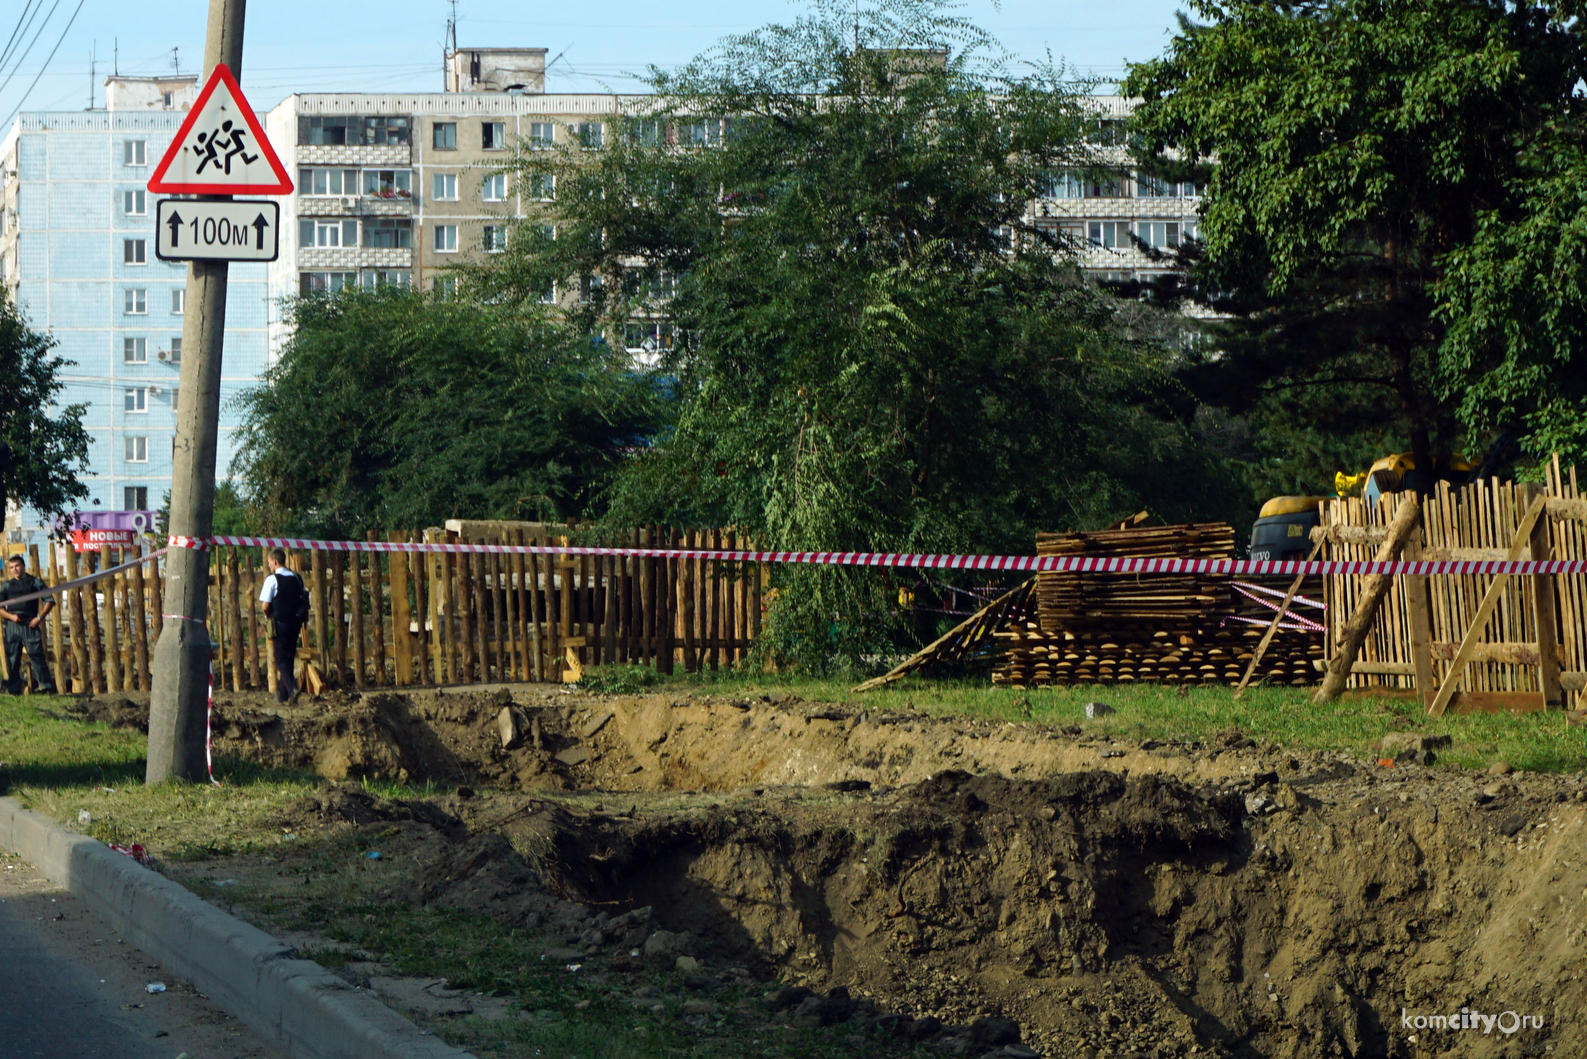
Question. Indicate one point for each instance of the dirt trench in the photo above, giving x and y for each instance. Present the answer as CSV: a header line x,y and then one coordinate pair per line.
x,y
1114,899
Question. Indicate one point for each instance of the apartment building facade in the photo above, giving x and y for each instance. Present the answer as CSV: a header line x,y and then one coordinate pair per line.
x,y
402,187
77,255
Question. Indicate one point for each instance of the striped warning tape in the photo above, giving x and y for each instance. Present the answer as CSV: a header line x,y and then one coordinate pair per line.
x,y
1017,563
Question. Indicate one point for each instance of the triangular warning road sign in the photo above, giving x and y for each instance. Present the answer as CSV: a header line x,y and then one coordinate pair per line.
x,y
220,149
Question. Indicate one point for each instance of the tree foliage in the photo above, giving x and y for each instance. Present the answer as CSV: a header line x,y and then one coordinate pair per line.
x,y
43,448
1350,147
874,349
389,409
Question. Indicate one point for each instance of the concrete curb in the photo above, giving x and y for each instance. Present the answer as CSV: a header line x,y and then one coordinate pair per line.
x,y
295,1004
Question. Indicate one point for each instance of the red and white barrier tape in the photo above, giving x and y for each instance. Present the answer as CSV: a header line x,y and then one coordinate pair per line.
x,y
1018,563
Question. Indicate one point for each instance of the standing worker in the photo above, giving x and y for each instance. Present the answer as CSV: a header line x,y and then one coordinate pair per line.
x,y
286,603
24,627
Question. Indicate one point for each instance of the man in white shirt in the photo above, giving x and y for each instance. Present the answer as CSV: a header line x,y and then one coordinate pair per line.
x,y
286,603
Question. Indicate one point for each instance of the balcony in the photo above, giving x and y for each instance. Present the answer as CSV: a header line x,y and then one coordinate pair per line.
x,y
354,206
370,156
346,258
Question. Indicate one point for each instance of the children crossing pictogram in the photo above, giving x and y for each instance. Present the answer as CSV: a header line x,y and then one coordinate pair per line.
x,y
220,149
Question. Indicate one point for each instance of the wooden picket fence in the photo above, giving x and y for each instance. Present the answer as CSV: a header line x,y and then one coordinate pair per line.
x,y
1506,662
406,619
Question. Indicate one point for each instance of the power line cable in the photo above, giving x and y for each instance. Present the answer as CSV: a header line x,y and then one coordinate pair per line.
x,y
18,28
23,57
58,41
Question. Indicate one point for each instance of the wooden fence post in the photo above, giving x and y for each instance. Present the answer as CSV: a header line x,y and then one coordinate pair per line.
x,y
57,634
1490,600
73,608
537,609
250,609
355,582
138,619
1375,587
401,615
98,680
377,610
1419,606
112,626
1544,613
322,632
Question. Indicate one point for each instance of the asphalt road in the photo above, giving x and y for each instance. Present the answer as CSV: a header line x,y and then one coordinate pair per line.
x,y
70,988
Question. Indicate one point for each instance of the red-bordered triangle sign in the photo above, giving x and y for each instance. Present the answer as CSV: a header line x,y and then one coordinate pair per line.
x,y
220,149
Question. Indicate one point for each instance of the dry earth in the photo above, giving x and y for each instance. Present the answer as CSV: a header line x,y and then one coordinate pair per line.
x,y
1109,898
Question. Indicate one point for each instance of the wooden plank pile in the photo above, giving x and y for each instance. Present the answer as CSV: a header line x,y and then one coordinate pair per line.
x,y
1094,628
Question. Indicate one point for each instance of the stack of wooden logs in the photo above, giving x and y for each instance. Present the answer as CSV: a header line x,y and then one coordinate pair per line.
x,y
1147,628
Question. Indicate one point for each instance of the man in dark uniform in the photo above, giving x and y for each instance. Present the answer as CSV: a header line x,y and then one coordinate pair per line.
x,y
24,627
286,603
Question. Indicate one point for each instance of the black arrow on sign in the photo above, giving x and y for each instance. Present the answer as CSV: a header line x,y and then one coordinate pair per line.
x,y
260,225
174,222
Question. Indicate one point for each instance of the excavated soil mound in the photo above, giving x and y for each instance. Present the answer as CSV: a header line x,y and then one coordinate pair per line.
x,y
1109,898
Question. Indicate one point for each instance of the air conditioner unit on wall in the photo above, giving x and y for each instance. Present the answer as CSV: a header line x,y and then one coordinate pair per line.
x,y
156,390
349,200
164,355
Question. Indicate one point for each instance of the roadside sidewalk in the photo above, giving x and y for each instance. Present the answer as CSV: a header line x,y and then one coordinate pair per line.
x,y
293,1004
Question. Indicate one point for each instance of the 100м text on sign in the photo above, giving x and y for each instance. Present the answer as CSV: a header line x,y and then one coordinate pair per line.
x,y
207,230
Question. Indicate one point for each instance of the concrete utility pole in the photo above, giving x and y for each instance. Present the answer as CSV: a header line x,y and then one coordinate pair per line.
x,y
179,699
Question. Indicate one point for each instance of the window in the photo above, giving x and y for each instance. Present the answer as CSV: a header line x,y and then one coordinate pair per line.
x,y
1159,235
137,449
647,336
133,152
445,287
1104,186
176,349
494,188
443,135
494,238
134,351
135,498
1110,234
588,134
135,301
386,277
549,295
329,130
353,129
542,186
134,252
327,232
446,238
389,233
1064,185
327,181
704,132
648,132
325,282
388,183
590,288
542,134
135,399
133,203
444,187
168,100
386,132
176,393
178,301
493,135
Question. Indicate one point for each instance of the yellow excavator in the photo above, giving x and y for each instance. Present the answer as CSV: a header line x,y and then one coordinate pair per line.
x,y
1282,530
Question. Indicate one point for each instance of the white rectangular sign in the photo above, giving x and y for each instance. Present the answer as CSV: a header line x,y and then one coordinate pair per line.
x,y
200,230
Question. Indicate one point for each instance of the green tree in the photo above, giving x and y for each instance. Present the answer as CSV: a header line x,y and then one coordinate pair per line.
x,y
389,408
1348,147
873,348
42,448
1515,303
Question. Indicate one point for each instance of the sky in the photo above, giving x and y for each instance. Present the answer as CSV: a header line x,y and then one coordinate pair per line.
x,y
396,45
